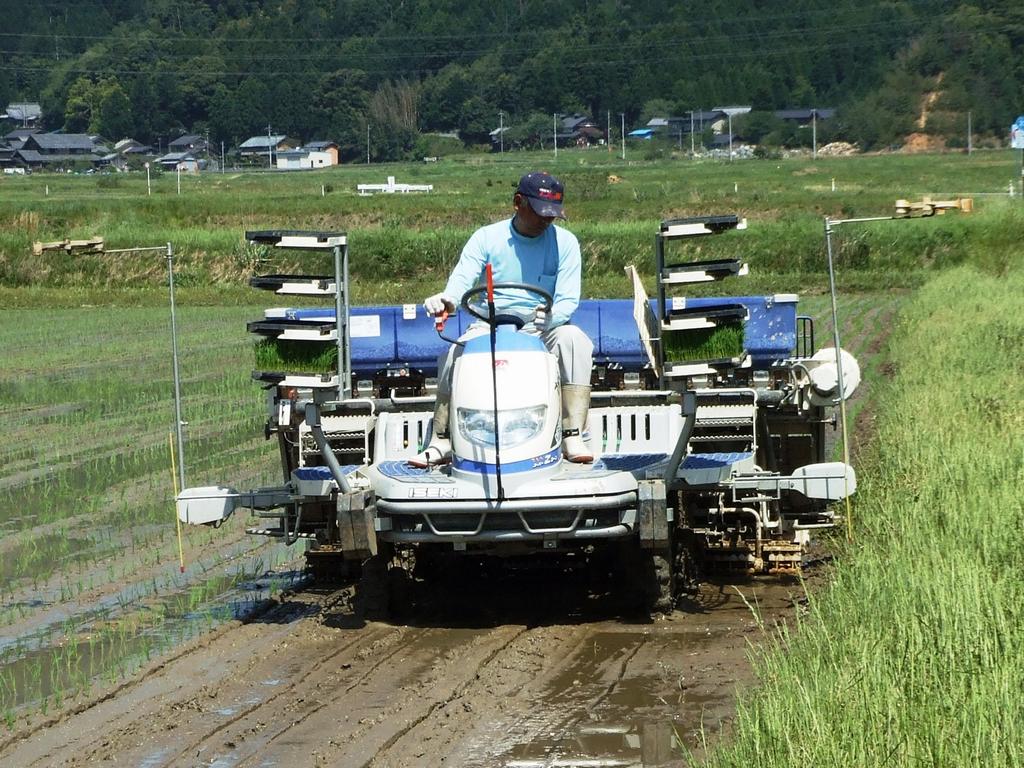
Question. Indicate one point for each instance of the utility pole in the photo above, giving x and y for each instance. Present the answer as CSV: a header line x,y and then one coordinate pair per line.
x,y
554,131
608,133
970,137
270,152
367,142
730,137
623,116
691,134
501,131
814,134
222,157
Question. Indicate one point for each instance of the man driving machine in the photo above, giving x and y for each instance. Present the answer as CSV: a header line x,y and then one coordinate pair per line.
x,y
527,248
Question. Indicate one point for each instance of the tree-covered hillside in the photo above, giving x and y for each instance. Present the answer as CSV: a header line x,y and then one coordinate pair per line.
x,y
324,68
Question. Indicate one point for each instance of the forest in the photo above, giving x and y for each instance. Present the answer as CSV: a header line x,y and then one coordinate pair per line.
x,y
319,69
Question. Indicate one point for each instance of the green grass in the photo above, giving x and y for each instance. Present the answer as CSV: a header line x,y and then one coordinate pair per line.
x,y
404,244
913,654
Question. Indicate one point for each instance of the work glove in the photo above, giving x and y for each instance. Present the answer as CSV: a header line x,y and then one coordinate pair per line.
x,y
439,303
541,318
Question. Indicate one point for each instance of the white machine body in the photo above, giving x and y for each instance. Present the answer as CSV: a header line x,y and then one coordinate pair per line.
x,y
529,410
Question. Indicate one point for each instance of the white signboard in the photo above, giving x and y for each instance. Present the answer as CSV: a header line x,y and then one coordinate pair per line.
x,y
1017,133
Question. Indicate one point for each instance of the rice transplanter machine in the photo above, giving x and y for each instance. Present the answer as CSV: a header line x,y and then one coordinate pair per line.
x,y
709,424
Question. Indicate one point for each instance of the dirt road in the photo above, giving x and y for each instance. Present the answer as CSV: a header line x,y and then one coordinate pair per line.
x,y
524,670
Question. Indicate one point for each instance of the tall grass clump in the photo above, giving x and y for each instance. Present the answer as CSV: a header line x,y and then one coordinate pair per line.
x,y
914,653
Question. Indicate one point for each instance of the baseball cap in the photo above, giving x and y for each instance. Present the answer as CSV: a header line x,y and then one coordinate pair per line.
x,y
544,192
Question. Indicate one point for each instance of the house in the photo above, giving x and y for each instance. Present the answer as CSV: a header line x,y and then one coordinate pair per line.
x,y
316,154
699,120
499,140
58,150
191,142
185,162
131,147
124,151
6,155
580,130
264,147
16,138
329,147
24,112
804,117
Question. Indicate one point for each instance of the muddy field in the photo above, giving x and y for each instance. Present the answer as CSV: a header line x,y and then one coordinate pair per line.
x,y
523,670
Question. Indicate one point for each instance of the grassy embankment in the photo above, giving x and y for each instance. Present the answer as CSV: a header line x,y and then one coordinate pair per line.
x,y
914,652
404,245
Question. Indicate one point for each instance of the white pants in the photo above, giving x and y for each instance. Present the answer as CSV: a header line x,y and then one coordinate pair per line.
x,y
572,347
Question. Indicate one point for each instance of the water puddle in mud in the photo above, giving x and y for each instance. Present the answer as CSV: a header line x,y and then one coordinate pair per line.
x,y
626,698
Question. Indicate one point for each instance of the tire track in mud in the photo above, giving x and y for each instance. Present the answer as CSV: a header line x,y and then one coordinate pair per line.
x,y
428,689
310,683
292,695
133,707
482,703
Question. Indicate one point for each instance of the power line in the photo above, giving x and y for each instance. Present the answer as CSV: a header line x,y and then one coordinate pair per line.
x,y
691,22
679,57
596,49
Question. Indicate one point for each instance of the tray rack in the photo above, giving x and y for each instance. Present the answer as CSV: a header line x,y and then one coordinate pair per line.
x,y
324,331
682,326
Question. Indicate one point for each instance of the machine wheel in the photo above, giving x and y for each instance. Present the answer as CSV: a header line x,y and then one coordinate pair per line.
x,y
686,568
373,594
327,567
648,577
661,582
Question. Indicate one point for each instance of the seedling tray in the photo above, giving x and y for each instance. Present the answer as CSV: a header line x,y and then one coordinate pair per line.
x,y
295,356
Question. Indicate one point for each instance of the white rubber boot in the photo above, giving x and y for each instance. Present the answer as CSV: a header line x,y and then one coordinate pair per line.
x,y
439,450
575,408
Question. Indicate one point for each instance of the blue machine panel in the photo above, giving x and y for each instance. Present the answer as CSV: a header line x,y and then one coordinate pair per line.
x,y
383,337
372,330
416,341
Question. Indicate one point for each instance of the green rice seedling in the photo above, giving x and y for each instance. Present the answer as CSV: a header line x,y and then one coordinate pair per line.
x,y
290,356
914,653
723,342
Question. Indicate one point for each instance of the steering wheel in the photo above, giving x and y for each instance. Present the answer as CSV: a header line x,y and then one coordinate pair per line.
x,y
505,318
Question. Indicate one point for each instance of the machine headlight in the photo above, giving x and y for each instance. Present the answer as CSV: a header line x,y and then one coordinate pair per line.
x,y
517,425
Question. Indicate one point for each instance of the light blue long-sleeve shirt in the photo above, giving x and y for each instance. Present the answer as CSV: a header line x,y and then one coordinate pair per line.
x,y
551,261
